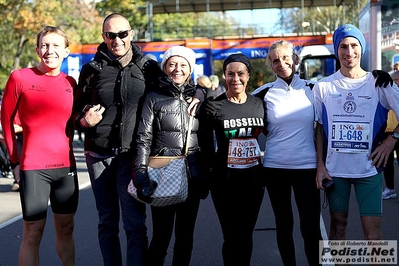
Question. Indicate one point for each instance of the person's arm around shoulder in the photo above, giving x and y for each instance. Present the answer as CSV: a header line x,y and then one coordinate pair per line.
x,y
85,116
322,172
80,96
382,78
92,116
206,116
389,97
144,138
198,98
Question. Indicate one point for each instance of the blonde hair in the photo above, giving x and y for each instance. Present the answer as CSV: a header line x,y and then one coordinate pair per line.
x,y
51,29
282,43
215,80
204,81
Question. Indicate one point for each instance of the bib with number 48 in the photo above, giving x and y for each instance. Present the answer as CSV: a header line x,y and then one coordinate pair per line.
x,y
243,153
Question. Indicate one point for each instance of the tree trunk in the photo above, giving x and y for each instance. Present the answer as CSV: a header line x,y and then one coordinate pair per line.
x,y
21,45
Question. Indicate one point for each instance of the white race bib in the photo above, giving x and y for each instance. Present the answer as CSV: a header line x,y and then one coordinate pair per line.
x,y
350,137
243,153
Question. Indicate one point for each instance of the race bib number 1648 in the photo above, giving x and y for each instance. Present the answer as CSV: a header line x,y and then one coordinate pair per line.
x,y
350,137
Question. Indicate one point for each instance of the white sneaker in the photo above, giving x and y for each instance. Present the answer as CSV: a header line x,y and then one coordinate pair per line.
x,y
15,186
388,194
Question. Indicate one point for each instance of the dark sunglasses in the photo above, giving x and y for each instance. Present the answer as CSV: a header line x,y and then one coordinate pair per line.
x,y
121,35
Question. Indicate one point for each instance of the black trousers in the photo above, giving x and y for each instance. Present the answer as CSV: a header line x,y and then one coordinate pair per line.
x,y
279,184
182,218
237,199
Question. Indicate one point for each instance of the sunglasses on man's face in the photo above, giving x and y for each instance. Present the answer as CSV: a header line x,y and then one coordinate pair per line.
x,y
121,35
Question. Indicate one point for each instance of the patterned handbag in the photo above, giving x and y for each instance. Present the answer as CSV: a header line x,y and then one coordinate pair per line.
x,y
171,174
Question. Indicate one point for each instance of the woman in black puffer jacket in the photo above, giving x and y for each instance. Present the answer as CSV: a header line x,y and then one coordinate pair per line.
x,y
162,131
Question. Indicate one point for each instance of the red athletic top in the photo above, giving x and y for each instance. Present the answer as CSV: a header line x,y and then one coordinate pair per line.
x,y
44,104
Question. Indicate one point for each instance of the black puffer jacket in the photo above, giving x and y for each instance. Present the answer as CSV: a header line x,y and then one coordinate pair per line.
x,y
119,89
163,127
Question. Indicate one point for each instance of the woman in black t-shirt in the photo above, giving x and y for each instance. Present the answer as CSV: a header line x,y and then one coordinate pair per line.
x,y
237,118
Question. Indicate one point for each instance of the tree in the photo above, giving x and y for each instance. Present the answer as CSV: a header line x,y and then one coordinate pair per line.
x,y
82,21
191,25
317,20
130,9
22,20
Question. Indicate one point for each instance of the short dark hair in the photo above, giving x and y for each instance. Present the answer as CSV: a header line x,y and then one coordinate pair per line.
x,y
113,15
51,29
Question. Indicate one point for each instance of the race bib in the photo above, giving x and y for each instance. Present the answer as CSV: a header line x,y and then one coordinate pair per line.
x,y
243,153
350,137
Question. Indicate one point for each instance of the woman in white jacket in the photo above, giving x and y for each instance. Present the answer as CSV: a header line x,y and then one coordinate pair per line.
x,y
289,161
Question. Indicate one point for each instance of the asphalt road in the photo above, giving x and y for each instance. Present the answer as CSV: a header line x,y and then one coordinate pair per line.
x,y
208,237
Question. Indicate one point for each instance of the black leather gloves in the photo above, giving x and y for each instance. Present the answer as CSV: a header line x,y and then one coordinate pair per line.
x,y
382,78
144,185
146,190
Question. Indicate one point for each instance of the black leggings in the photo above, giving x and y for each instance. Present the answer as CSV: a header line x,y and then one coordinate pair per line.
x,y
237,200
279,183
182,218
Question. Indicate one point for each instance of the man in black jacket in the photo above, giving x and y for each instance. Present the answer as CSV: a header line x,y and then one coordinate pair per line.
x,y
109,92
106,103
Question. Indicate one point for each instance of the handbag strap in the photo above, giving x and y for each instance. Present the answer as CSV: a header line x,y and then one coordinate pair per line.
x,y
190,126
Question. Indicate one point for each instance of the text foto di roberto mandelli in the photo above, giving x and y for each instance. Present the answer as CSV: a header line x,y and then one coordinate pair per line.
x,y
356,251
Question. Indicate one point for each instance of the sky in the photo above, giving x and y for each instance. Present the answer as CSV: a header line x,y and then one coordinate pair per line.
x,y
265,18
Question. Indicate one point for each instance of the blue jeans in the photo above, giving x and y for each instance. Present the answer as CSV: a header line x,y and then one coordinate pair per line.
x,y
109,179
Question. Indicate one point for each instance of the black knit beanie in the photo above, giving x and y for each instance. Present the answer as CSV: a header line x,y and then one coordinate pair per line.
x,y
237,58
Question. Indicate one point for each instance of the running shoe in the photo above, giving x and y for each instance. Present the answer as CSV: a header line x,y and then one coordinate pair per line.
x,y
388,194
15,186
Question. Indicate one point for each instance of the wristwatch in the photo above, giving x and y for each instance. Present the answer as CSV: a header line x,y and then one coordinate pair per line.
x,y
395,135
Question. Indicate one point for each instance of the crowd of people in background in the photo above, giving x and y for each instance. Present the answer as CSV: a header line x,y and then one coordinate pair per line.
x,y
129,107
212,84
